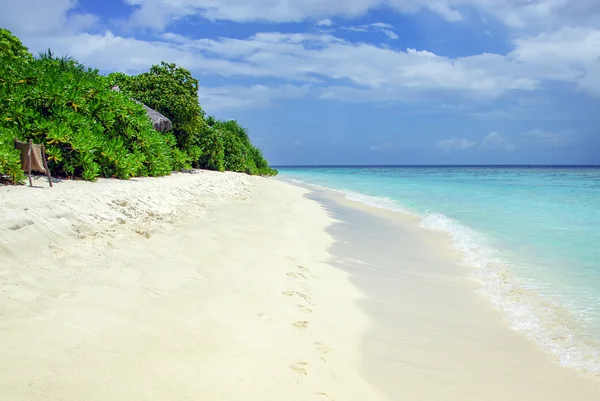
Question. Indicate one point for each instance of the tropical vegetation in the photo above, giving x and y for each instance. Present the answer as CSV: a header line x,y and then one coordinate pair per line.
x,y
91,131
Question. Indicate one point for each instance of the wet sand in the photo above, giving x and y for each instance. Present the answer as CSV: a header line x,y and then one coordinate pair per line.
x,y
432,337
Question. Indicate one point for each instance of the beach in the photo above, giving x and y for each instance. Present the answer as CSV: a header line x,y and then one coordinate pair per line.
x,y
223,286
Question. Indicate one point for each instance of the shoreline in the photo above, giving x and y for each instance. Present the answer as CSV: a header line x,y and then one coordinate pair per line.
x,y
429,327
544,322
226,286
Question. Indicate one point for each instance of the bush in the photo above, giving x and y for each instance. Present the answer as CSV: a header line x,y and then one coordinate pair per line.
x,y
88,130
173,92
239,154
213,152
202,142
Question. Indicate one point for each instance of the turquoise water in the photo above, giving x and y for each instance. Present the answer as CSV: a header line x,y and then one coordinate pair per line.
x,y
531,235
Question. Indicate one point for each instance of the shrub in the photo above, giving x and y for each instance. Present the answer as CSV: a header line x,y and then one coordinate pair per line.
x,y
239,154
172,91
88,130
213,152
202,142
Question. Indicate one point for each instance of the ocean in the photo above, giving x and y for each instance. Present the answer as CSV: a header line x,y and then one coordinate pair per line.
x,y
531,236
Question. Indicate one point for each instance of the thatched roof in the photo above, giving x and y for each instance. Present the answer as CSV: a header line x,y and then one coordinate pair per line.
x,y
160,122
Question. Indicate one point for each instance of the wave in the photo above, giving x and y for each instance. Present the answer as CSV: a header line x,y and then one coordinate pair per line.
x,y
541,320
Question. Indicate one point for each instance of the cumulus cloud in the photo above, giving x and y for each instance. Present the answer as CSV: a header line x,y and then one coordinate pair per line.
x,y
324,22
448,145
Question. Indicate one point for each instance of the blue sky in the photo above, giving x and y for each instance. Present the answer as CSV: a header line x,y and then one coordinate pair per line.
x,y
360,81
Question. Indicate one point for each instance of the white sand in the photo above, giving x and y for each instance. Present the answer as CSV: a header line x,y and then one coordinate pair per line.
x,y
204,286
220,286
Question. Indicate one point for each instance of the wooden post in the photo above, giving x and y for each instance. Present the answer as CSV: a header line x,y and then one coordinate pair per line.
x,y
29,149
46,166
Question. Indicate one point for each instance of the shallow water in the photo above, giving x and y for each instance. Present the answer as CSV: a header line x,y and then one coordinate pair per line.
x,y
532,236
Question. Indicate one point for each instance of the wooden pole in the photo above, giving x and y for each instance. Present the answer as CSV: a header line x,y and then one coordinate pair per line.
x,y
29,161
46,166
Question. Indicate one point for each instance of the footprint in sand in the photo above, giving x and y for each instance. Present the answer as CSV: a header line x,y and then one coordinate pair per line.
x,y
20,224
297,275
323,350
304,309
301,324
306,271
299,367
325,395
292,293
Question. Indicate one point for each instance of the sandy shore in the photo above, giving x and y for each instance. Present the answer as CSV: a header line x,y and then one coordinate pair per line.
x,y
203,286
432,336
220,286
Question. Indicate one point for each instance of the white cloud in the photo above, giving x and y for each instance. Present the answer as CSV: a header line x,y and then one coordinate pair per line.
x,y
41,17
378,70
247,97
44,15
493,140
159,13
375,74
448,145
568,54
390,34
382,27
324,22
522,14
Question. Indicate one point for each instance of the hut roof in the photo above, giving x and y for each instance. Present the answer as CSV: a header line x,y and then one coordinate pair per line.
x,y
160,122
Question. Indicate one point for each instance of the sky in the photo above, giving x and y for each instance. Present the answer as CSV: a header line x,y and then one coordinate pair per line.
x,y
359,81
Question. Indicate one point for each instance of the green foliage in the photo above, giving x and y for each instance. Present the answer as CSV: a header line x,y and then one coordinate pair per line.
x,y
202,142
90,131
173,92
10,162
213,151
239,154
11,47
